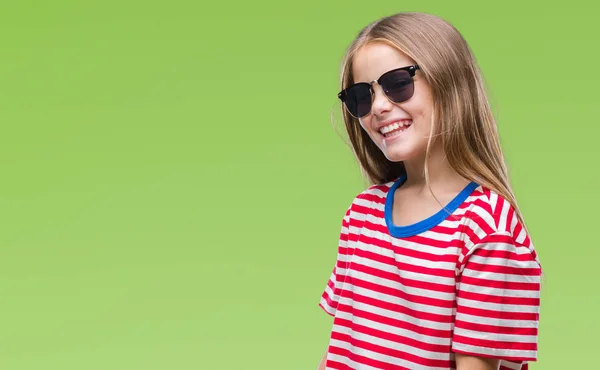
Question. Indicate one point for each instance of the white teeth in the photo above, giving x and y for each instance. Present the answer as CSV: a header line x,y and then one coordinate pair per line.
x,y
394,126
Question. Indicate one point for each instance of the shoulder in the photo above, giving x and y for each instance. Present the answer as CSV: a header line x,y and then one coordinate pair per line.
x,y
494,234
376,193
369,202
373,197
489,213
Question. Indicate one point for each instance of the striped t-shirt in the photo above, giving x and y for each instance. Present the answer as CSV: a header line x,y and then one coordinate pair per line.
x,y
465,280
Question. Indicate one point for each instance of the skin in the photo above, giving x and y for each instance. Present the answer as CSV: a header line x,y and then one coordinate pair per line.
x,y
369,63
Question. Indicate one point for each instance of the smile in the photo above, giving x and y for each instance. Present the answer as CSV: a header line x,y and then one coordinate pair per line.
x,y
395,128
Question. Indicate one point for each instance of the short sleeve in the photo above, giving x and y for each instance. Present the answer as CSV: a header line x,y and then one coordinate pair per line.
x,y
498,300
331,296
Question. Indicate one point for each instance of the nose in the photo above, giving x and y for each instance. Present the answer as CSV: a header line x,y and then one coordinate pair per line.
x,y
381,104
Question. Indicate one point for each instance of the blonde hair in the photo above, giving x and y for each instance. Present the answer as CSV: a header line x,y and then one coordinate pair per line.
x,y
462,116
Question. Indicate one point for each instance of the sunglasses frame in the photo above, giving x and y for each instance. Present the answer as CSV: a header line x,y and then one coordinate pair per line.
x,y
342,94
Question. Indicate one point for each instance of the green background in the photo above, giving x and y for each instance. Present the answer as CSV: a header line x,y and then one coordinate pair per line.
x,y
172,184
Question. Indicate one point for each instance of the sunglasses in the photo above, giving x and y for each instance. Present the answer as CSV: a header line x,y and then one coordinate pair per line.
x,y
397,84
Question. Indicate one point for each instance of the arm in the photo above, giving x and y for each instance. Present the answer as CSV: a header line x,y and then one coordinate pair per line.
x,y
465,362
323,361
498,300
331,295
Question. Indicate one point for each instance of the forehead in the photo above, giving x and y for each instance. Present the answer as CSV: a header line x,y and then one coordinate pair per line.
x,y
373,60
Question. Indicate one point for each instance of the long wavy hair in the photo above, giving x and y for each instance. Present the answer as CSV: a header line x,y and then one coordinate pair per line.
x,y
462,117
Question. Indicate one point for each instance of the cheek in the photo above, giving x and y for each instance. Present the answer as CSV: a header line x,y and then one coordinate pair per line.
x,y
422,114
364,123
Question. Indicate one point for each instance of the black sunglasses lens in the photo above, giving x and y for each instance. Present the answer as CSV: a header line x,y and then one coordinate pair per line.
x,y
398,85
358,100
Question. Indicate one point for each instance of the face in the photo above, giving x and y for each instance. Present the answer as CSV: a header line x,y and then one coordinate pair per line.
x,y
400,130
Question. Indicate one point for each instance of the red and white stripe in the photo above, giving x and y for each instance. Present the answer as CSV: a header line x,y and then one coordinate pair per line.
x,y
470,285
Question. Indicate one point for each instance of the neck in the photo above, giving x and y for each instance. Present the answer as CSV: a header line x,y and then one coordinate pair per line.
x,y
442,177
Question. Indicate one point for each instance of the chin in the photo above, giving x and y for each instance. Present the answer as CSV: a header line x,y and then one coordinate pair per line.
x,y
398,154
404,150
395,157
400,149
